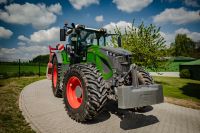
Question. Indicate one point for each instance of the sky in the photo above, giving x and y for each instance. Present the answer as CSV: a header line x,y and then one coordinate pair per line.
x,y
28,27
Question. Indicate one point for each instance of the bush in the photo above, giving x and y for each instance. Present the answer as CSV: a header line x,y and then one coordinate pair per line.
x,y
185,73
146,44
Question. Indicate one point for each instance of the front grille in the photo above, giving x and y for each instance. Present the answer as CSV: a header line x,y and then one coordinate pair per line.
x,y
120,62
125,68
121,59
124,62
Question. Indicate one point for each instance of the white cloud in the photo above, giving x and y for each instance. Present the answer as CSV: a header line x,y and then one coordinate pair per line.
x,y
195,36
177,16
29,47
170,37
79,4
99,18
50,35
192,3
42,37
3,1
132,5
22,52
121,24
21,43
56,8
5,33
23,38
40,15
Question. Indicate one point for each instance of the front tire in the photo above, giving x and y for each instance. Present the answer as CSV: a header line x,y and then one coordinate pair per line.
x,y
84,92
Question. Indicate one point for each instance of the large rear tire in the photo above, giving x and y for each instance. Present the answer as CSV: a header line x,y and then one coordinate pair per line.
x,y
56,78
144,77
84,92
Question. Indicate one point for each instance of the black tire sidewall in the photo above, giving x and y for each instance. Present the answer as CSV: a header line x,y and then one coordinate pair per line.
x,y
55,89
142,72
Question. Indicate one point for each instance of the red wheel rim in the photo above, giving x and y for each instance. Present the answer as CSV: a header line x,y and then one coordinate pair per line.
x,y
55,76
74,92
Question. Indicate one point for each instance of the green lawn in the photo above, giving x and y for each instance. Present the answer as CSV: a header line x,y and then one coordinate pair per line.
x,y
14,69
171,67
11,119
180,88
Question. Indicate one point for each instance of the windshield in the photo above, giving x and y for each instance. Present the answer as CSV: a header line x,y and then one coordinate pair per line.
x,y
96,38
91,38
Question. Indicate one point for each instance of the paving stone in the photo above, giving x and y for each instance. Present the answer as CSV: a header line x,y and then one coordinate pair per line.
x,y
46,114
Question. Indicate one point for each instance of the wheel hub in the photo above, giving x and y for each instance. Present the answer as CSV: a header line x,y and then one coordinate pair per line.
x,y
78,91
74,92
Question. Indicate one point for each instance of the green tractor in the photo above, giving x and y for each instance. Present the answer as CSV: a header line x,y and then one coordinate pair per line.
x,y
87,73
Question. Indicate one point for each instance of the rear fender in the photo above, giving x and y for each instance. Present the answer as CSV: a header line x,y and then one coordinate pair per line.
x,y
49,71
94,55
56,54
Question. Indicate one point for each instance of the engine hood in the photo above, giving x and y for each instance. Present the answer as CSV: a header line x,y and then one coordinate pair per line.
x,y
118,51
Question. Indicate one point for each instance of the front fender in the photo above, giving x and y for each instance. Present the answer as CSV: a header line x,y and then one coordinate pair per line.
x,y
94,55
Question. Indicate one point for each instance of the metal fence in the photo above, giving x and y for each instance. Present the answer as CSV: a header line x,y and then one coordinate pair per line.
x,y
18,68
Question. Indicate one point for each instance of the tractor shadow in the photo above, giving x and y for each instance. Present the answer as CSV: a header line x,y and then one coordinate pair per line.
x,y
103,116
132,119
192,90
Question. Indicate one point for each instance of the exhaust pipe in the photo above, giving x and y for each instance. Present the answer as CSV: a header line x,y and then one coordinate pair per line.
x,y
134,77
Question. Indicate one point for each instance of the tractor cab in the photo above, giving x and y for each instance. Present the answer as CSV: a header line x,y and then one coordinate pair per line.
x,y
81,35
81,38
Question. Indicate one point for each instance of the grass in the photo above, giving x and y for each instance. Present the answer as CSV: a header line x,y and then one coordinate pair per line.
x,y
23,68
171,67
196,62
11,119
12,70
186,89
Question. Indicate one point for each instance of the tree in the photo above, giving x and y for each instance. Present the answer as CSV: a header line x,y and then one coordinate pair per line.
x,y
41,59
146,44
183,46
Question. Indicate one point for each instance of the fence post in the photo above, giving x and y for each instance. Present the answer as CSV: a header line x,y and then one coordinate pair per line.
x,y
19,68
39,65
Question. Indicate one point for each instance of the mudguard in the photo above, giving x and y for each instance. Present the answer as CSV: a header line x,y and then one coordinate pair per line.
x,y
54,52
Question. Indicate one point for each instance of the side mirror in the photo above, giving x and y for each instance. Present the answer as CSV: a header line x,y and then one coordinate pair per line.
x,y
73,25
62,35
119,41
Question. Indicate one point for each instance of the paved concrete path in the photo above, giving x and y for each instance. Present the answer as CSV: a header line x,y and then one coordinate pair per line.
x,y
166,74
46,114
